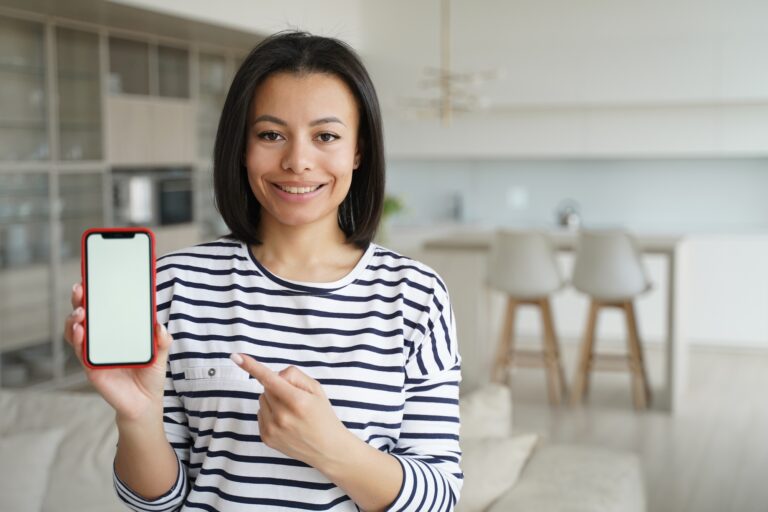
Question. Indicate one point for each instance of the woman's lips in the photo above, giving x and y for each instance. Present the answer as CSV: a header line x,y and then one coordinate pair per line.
x,y
297,198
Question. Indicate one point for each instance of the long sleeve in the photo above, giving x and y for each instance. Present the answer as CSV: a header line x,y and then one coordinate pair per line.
x,y
174,422
428,447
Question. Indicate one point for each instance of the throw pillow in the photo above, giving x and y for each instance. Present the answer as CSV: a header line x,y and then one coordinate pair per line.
x,y
25,463
486,412
491,467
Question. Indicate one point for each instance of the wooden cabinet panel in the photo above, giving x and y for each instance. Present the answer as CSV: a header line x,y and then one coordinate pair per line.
x,y
148,131
24,317
173,131
128,130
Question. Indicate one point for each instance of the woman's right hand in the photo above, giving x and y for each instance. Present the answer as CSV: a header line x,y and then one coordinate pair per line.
x,y
135,394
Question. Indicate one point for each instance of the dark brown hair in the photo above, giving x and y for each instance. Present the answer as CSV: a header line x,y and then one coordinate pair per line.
x,y
299,52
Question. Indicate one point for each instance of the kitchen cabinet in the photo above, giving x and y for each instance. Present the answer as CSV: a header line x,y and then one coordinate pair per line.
x,y
79,94
79,101
149,131
25,274
23,99
173,72
129,70
212,81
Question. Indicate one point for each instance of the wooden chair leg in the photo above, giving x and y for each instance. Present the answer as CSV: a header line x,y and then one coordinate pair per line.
x,y
555,378
641,389
585,358
505,348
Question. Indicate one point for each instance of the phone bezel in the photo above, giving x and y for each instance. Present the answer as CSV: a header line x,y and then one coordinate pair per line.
x,y
153,309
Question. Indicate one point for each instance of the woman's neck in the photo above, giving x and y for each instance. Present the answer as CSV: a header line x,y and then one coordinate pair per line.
x,y
312,253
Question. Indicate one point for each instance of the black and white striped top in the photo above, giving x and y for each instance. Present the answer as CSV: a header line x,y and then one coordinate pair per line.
x,y
381,341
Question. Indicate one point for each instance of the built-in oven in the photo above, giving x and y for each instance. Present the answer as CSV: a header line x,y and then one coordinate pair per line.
x,y
155,196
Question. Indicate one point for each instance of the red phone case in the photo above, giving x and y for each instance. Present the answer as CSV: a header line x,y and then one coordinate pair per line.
x,y
85,298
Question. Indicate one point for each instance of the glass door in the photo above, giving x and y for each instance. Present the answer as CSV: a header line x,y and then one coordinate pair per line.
x,y
79,95
23,131
24,273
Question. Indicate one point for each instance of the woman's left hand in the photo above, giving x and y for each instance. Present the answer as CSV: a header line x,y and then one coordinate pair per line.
x,y
295,415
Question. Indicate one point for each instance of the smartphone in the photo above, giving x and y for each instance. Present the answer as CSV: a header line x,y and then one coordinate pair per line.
x,y
118,270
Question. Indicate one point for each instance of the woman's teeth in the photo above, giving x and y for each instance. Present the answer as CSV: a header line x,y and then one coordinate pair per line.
x,y
299,190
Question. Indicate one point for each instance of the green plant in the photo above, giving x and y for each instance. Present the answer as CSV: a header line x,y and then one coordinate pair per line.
x,y
392,205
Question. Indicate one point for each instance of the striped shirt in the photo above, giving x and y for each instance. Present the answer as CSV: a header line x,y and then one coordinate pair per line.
x,y
381,341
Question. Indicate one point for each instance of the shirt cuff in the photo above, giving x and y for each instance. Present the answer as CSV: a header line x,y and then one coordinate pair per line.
x,y
407,497
171,500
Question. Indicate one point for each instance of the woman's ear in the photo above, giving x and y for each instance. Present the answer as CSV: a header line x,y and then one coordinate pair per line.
x,y
358,157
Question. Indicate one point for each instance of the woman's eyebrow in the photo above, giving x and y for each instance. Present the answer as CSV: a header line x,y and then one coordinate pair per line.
x,y
270,119
277,120
324,120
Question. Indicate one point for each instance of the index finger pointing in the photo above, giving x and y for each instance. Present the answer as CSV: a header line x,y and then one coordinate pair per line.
x,y
272,382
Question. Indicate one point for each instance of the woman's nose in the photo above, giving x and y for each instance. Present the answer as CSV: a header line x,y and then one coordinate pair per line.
x,y
298,157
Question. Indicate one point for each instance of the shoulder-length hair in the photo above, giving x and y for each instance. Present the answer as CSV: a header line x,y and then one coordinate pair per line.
x,y
299,52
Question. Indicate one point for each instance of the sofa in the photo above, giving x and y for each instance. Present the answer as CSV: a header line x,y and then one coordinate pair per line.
x,y
56,453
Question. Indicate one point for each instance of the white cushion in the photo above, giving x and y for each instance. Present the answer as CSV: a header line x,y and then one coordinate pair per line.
x,y
491,467
563,478
486,413
25,464
81,474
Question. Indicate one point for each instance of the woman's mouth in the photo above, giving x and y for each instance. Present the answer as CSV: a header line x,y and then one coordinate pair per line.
x,y
298,190
298,193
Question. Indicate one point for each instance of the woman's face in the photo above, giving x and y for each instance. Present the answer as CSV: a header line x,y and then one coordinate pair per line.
x,y
301,146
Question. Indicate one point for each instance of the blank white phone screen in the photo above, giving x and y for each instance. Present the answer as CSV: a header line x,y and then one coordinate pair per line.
x,y
119,317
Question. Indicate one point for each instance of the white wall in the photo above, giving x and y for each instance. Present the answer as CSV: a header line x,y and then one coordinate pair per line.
x,y
593,78
336,18
587,78
724,195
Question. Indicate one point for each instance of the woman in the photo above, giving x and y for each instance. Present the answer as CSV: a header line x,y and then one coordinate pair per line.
x,y
302,366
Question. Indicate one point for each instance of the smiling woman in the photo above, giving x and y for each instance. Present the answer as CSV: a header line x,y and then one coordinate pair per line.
x,y
301,365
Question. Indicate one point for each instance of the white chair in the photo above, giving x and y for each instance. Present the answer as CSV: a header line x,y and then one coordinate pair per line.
x,y
609,269
523,266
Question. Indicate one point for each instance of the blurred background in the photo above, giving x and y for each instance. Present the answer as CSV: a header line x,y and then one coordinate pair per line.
x,y
533,115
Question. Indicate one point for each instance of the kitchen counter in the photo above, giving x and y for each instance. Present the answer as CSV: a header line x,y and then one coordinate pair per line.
x,y
561,239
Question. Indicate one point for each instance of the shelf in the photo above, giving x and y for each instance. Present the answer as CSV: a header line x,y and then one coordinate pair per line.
x,y
82,125
78,75
213,92
23,125
27,222
23,69
89,215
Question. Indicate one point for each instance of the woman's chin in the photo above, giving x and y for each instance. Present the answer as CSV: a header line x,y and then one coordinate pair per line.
x,y
296,220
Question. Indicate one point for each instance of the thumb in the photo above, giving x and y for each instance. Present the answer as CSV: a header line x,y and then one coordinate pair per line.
x,y
300,380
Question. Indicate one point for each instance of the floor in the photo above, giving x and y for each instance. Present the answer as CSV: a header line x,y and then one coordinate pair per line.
x,y
711,456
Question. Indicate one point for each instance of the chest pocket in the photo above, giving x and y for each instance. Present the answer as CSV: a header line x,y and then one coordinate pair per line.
x,y
203,373
217,377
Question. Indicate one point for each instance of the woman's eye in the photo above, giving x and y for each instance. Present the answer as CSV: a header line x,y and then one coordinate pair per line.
x,y
327,137
269,136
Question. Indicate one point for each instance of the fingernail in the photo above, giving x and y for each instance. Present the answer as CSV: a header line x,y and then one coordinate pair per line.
x,y
74,287
77,311
237,358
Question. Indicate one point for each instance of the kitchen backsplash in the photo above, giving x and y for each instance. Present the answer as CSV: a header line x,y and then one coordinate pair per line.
x,y
644,194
